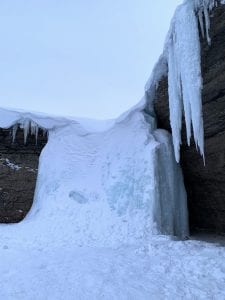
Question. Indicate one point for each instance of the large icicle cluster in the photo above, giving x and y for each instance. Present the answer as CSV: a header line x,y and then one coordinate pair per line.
x,y
182,53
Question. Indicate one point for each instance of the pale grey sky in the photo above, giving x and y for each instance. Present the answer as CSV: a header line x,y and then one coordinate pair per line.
x,y
79,57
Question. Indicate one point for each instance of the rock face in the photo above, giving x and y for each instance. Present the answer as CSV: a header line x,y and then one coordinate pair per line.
x,y
205,184
18,169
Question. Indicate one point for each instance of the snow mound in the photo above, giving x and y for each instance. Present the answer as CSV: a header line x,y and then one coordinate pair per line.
x,y
115,185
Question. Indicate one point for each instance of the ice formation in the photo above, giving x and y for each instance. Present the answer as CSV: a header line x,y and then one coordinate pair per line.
x,y
100,186
181,61
28,127
31,123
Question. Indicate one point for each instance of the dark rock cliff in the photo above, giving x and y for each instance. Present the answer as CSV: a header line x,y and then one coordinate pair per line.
x,y
18,174
205,184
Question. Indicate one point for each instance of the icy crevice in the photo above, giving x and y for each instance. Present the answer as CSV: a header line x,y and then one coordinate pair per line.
x,y
182,55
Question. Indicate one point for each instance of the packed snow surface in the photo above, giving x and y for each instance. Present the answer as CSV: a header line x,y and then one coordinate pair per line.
x,y
166,269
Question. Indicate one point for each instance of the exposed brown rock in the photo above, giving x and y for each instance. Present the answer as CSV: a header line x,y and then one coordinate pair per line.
x,y
205,184
18,174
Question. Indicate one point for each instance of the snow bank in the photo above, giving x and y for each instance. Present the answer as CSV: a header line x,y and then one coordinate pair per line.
x,y
108,184
181,61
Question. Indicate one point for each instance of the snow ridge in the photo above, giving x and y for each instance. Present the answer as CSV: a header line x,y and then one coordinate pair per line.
x,y
182,55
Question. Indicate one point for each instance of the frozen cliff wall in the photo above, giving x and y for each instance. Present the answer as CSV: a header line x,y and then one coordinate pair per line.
x,y
205,185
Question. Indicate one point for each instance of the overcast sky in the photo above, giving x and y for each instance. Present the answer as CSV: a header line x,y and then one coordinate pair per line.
x,y
79,57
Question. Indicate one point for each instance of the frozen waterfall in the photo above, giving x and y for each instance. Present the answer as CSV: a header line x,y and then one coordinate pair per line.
x,y
115,184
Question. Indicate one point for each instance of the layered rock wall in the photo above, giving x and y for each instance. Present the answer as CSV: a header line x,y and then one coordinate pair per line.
x,y
18,174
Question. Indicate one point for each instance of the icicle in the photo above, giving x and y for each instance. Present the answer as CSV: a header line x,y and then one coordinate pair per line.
x,y
184,77
207,24
25,125
32,127
44,132
34,130
175,94
201,22
28,126
36,134
14,131
203,7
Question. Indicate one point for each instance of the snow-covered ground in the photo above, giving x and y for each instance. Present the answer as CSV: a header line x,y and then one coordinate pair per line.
x,y
164,270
